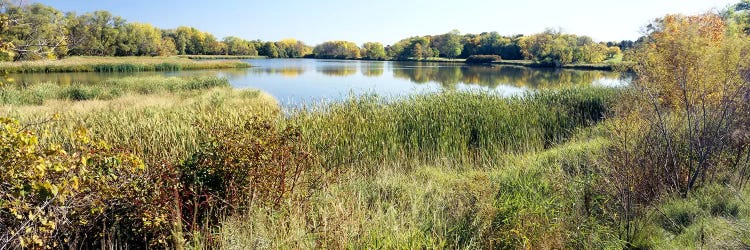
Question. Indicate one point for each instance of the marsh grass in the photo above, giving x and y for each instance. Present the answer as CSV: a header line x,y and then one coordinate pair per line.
x,y
472,126
116,64
715,216
444,170
37,94
525,201
448,170
160,128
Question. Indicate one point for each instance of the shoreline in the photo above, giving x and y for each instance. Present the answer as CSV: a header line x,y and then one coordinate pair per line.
x,y
116,64
523,63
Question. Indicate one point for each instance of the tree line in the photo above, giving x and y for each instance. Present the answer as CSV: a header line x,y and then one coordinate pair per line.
x,y
550,47
36,31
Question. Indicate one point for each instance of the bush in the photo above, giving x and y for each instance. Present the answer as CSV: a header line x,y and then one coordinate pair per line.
x,y
256,164
479,59
52,197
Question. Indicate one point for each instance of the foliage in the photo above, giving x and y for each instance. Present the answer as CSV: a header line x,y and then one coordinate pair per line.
x,y
413,47
255,165
556,48
483,59
492,43
53,197
34,31
238,46
116,64
452,46
685,126
373,51
337,50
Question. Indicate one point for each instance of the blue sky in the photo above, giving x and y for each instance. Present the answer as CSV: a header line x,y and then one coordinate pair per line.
x,y
387,21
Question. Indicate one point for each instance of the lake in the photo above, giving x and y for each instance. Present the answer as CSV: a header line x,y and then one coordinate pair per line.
x,y
295,81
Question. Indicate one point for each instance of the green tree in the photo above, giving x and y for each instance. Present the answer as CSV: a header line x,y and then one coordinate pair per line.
x,y
374,51
452,46
270,50
95,34
238,46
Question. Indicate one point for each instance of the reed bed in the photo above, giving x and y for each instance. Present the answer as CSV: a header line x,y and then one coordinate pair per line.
x,y
37,94
450,125
116,64
417,172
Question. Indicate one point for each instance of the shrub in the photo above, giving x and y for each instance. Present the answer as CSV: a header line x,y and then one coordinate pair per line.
x,y
256,164
479,59
52,197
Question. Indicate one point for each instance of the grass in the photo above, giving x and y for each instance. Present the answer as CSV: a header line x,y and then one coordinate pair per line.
x,y
116,64
38,94
459,125
153,116
442,170
527,201
714,217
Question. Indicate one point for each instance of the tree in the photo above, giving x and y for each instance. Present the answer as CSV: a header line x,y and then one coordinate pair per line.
x,y
374,51
238,46
692,76
270,50
142,39
94,33
452,47
337,49
34,31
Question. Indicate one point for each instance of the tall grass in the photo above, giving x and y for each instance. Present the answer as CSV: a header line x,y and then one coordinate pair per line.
x,y
534,200
159,128
116,64
452,125
37,94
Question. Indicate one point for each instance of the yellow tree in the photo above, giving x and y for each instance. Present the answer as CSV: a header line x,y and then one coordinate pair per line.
x,y
691,79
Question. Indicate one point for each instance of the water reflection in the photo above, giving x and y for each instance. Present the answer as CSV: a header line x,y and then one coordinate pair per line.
x,y
494,76
290,72
337,70
372,69
299,80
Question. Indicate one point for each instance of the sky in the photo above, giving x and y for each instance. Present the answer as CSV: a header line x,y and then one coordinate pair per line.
x,y
387,21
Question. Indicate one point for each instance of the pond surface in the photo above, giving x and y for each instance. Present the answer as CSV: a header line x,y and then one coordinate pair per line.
x,y
295,81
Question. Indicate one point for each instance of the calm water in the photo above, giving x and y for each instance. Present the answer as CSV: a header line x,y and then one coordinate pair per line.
x,y
294,81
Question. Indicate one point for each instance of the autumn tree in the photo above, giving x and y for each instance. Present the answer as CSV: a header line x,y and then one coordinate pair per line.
x,y
33,31
693,87
239,46
337,49
292,48
373,51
